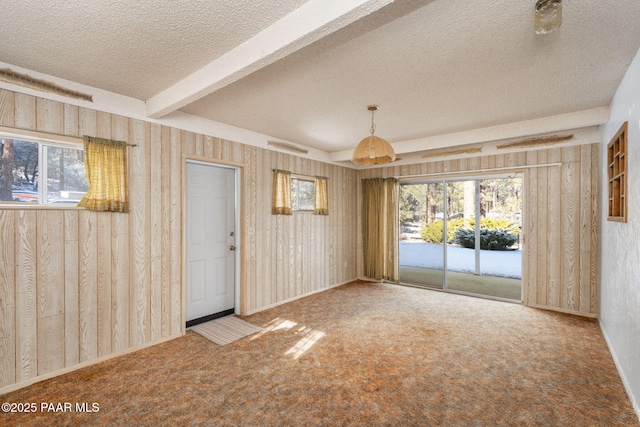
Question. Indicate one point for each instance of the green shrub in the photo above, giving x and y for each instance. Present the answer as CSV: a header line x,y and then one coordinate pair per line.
x,y
498,224
495,240
495,233
432,232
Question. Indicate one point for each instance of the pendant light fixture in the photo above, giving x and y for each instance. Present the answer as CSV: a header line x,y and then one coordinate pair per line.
x,y
548,16
373,150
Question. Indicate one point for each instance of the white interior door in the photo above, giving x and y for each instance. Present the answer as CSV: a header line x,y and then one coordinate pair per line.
x,y
210,239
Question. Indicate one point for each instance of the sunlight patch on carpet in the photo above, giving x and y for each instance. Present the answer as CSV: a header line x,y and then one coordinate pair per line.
x,y
275,325
305,343
309,336
225,330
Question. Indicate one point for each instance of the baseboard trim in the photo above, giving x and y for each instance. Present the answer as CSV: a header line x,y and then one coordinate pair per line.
x,y
368,279
563,310
48,375
625,382
317,291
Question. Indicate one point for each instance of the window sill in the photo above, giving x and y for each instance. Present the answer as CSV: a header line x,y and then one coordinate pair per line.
x,y
23,206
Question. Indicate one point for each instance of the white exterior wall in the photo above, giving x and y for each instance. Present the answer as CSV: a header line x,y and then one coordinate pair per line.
x,y
620,242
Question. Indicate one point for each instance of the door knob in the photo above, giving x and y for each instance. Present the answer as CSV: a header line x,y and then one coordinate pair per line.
x,y
232,248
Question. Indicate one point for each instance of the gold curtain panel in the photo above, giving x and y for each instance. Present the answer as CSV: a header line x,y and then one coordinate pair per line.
x,y
106,165
380,224
281,198
321,199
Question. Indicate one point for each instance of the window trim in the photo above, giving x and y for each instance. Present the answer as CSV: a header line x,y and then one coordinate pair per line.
x,y
66,141
41,138
299,177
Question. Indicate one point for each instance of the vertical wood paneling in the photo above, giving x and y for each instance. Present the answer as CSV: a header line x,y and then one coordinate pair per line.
x,y
88,285
50,291
250,229
155,231
26,314
139,220
7,273
199,145
554,231
99,124
207,147
188,142
165,250
175,224
87,122
272,220
531,243
103,271
540,224
49,116
120,287
71,119
7,299
25,112
7,108
71,296
254,230
570,187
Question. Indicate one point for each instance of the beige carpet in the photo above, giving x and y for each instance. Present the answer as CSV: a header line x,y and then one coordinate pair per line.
x,y
225,330
359,355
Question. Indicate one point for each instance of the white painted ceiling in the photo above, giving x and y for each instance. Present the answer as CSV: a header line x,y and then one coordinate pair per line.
x,y
436,67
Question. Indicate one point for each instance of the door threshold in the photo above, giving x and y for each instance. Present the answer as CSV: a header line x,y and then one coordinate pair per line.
x,y
209,317
456,292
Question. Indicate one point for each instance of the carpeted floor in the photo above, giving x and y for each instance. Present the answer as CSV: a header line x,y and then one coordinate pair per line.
x,y
359,355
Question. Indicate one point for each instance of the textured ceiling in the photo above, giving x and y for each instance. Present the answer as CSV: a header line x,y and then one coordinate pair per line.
x,y
130,47
435,67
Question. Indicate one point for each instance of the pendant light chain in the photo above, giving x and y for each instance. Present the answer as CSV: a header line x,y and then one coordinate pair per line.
x,y
373,126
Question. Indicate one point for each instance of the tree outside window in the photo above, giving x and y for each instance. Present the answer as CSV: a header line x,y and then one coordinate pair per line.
x,y
40,173
302,194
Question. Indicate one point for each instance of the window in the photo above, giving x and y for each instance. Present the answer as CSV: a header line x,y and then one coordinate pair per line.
x,y
617,174
302,194
41,172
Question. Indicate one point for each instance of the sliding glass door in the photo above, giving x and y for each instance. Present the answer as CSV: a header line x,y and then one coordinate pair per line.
x,y
444,246
422,249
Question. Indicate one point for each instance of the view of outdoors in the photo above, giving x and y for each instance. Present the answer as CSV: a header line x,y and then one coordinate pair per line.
x,y
443,246
33,172
302,194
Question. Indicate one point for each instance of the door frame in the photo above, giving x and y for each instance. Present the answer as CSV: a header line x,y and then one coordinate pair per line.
x,y
239,227
475,176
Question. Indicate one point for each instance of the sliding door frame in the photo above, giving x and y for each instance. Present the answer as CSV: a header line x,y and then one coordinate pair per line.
x,y
476,177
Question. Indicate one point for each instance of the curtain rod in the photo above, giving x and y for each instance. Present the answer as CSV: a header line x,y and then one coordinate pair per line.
x,y
30,133
301,174
506,168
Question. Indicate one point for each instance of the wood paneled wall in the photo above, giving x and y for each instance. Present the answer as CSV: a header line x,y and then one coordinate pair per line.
x,y
561,217
78,285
